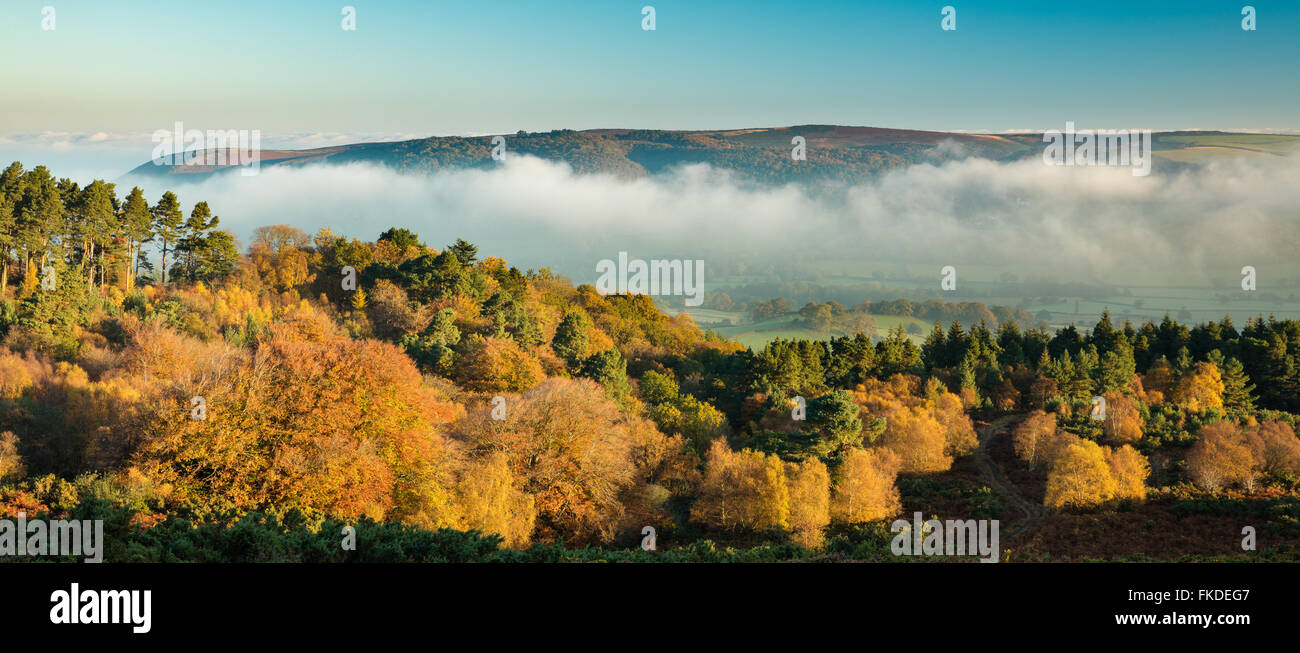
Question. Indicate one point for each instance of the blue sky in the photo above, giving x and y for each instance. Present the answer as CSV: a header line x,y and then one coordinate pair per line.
x,y
432,67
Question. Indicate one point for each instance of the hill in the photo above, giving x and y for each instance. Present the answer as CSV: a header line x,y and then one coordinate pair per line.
x,y
834,153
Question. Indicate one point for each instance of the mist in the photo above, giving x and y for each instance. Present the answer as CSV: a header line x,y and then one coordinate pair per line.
x,y
1067,223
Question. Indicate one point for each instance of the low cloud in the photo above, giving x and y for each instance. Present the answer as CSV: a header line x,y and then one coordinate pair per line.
x,y
1093,224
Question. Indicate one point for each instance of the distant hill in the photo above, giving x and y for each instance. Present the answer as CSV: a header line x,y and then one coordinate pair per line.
x,y
834,153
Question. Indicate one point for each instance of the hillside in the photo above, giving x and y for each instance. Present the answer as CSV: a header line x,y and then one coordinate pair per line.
x,y
834,153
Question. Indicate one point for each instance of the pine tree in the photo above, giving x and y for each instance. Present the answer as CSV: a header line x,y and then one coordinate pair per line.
x,y
1237,389
464,251
193,240
137,225
168,224
38,211
933,350
570,341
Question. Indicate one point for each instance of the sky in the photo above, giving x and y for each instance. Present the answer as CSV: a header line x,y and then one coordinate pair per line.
x,y
110,73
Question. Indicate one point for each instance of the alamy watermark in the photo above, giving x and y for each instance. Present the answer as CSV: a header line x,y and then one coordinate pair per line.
x,y
1099,147
232,147
657,277
77,606
951,538
59,537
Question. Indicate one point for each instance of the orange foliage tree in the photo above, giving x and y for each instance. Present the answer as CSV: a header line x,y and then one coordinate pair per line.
x,y
1222,457
1123,423
315,421
572,449
496,365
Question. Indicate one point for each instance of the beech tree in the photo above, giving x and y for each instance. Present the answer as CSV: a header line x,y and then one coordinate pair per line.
x,y
313,420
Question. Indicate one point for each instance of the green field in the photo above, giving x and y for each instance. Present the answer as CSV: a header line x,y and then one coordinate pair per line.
x,y
757,334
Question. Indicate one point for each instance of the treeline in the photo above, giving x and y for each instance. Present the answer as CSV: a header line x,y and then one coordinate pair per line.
x,y
92,233
835,316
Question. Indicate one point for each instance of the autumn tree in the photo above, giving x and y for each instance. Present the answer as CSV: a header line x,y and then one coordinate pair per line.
x,y
1080,476
1158,381
488,499
1200,388
495,365
1221,458
919,440
313,420
1033,437
810,496
744,489
11,463
865,490
571,448
1123,422
1130,470
1275,448
960,435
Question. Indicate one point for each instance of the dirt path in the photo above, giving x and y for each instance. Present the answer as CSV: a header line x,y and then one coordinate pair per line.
x,y
992,473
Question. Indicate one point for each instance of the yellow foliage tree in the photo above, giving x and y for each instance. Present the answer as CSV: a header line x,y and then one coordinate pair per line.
x,y
1201,388
960,433
496,365
1130,471
865,491
1080,476
1032,438
918,439
744,489
570,447
488,499
810,498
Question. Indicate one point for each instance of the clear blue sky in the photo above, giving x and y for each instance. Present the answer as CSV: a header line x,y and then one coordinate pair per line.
x,y
450,67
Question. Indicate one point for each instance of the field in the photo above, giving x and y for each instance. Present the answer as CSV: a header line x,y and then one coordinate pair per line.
x,y
735,325
1054,300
